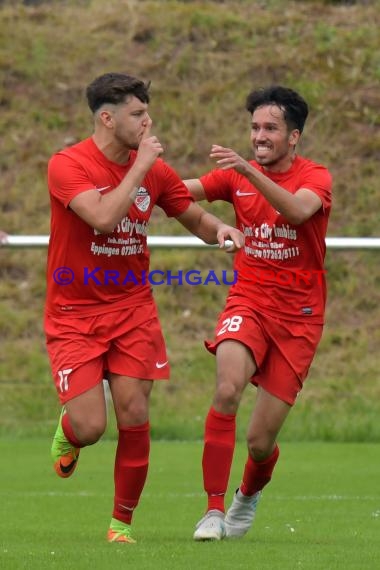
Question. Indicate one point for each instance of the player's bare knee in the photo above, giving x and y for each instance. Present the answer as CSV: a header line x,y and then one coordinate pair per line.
x,y
134,414
259,447
227,396
89,432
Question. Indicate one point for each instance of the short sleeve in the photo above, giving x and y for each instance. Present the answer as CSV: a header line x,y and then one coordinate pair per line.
x,y
174,198
319,180
217,185
67,178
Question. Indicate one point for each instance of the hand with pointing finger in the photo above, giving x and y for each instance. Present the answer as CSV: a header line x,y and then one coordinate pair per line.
x,y
227,158
150,147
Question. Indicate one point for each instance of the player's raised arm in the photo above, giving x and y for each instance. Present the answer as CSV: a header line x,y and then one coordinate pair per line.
x,y
104,211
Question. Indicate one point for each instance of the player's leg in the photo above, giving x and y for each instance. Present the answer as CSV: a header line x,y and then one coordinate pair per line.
x,y
266,421
131,403
235,366
280,378
137,352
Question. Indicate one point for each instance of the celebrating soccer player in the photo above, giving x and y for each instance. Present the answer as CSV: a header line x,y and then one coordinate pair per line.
x,y
102,191
272,322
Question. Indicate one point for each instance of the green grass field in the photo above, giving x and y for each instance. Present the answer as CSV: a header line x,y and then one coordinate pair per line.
x,y
321,511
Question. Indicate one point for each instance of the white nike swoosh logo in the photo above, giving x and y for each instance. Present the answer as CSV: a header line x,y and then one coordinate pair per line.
x,y
104,188
161,364
240,193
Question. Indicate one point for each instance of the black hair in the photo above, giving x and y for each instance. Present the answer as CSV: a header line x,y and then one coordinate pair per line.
x,y
293,105
115,88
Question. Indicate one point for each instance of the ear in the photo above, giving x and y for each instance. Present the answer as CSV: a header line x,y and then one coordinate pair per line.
x,y
294,137
106,118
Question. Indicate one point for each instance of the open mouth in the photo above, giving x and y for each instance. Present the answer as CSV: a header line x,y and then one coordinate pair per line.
x,y
262,149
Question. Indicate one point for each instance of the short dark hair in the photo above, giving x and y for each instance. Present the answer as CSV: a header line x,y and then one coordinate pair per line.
x,y
115,88
293,105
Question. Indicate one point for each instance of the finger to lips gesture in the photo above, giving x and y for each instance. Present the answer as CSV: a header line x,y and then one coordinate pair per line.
x,y
150,147
147,129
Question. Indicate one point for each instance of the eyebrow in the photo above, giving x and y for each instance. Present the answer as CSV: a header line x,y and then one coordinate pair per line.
x,y
266,123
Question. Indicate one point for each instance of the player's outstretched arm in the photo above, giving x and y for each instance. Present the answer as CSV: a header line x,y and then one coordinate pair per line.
x,y
210,229
195,187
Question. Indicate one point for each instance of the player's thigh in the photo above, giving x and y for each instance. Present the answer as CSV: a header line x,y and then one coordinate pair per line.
x,y
138,348
234,363
87,412
291,351
242,325
76,354
130,398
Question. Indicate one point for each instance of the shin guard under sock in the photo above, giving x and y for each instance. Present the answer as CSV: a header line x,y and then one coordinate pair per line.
x,y
131,469
258,473
219,445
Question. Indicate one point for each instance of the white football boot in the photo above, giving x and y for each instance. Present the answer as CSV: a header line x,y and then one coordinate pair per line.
x,y
210,527
241,514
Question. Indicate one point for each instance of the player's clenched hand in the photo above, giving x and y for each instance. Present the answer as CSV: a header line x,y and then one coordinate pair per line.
x,y
227,158
150,147
227,234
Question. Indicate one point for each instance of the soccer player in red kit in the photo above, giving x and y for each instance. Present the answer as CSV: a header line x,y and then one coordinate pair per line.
x,y
100,318
272,322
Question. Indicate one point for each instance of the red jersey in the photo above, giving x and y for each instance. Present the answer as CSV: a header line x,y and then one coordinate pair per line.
x,y
89,273
280,271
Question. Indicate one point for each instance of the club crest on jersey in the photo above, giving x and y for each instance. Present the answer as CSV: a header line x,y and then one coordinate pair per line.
x,y
142,199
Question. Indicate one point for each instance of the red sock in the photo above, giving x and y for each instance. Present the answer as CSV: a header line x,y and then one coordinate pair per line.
x,y
219,445
258,473
68,431
131,469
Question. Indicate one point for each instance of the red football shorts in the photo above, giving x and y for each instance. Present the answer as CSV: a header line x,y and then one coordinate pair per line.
x,y
128,342
283,350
